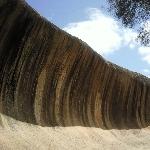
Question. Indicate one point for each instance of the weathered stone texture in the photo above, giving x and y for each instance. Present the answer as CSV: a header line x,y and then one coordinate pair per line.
x,y
50,78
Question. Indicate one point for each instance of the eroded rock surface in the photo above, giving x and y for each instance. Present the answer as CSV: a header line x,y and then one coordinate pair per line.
x,y
50,78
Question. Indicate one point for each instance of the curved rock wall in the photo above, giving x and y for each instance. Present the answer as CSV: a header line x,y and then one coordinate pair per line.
x,y
50,78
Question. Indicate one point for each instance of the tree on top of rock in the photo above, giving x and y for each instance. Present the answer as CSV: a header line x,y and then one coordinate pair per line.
x,y
134,14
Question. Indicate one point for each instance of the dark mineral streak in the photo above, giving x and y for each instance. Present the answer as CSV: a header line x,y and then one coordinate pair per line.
x,y
50,78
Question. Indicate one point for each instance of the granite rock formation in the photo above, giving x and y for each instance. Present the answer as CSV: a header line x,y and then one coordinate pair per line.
x,y
50,78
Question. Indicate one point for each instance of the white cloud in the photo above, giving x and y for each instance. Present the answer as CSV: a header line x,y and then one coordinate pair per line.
x,y
101,32
146,70
145,53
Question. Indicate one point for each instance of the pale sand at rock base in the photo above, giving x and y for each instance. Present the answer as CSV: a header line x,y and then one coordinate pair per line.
x,y
16,135
50,78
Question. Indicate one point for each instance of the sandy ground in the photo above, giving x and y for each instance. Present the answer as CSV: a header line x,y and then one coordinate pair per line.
x,y
16,135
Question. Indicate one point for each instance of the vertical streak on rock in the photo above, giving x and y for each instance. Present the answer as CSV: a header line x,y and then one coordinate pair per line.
x,y
39,98
147,106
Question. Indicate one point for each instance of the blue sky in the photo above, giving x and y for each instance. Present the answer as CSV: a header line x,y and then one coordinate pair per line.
x,y
89,21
